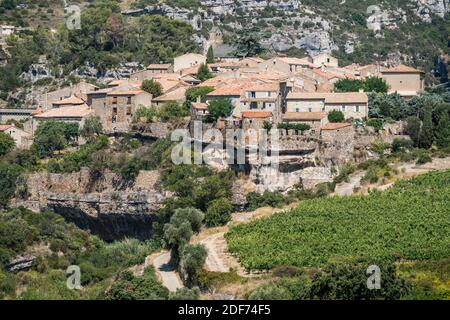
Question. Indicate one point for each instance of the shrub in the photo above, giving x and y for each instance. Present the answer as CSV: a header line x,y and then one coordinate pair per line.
x,y
401,145
218,212
6,143
424,158
152,87
376,124
270,292
336,116
269,199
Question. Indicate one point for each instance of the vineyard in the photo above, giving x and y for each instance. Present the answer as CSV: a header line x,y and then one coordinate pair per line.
x,y
410,221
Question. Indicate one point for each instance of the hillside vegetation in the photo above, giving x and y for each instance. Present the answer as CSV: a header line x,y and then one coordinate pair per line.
x,y
410,221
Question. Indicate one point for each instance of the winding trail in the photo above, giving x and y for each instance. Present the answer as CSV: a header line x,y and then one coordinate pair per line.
x,y
166,274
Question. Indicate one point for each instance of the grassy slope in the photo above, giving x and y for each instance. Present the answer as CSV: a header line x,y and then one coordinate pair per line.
x,y
410,221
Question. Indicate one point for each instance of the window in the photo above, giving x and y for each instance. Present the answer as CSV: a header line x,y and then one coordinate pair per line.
x,y
253,105
357,108
309,109
128,111
114,101
253,94
297,109
129,100
343,108
269,94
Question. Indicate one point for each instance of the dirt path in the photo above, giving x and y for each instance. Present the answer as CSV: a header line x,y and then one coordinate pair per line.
x,y
166,274
346,189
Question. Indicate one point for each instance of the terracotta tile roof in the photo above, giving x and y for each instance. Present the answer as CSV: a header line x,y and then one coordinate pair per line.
x,y
71,100
159,66
178,94
256,114
305,116
4,127
235,90
264,87
67,112
36,111
334,97
335,126
125,92
401,69
200,106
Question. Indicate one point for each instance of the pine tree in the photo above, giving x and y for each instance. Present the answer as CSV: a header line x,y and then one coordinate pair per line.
x,y
210,55
426,134
443,130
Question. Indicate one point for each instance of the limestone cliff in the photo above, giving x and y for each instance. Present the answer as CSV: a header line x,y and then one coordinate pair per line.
x,y
104,205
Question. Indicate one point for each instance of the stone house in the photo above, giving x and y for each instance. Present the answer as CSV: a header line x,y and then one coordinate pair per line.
x,y
352,104
188,61
199,110
314,119
116,106
285,65
256,119
72,114
406,81
261,97
22,139
46,100
72,101
178,95
324,59
160,68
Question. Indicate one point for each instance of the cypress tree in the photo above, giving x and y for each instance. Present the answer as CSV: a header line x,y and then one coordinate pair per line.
x,y
426,136
210,55
443,130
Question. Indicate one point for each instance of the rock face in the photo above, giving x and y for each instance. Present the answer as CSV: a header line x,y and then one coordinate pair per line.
x,y
105,206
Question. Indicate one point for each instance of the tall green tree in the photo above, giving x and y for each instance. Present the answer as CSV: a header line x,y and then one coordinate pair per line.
x,y
92,128
248,44
219,108
203,73
348,85
152,87
443,130
210,55
426,136
375,84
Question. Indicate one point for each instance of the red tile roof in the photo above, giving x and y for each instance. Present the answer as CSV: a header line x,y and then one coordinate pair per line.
x,y
67,112
4,127
335,126
131,92
401,69
256,114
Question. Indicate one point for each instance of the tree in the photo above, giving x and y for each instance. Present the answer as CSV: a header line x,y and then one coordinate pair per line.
x,y
336,116
210,55
412,129
180,229
172,110
346,281
6,143
192,94
8,177
218,212
443,130
50,137
193,258
426,135
248,44
203,73
348,85
152,87
375,84
92,128
219,108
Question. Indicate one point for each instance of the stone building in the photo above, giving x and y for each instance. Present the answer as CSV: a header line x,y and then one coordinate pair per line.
x,y
46,101
187,61
256,119
406,81
262,97
352,104
324,59
116,106
22,139
73,114
314,119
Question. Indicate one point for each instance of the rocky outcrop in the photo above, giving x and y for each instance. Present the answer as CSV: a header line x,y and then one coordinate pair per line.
x,y
106,205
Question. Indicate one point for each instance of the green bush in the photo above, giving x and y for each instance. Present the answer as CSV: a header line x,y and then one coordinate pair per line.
x,y
218,213
336,116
